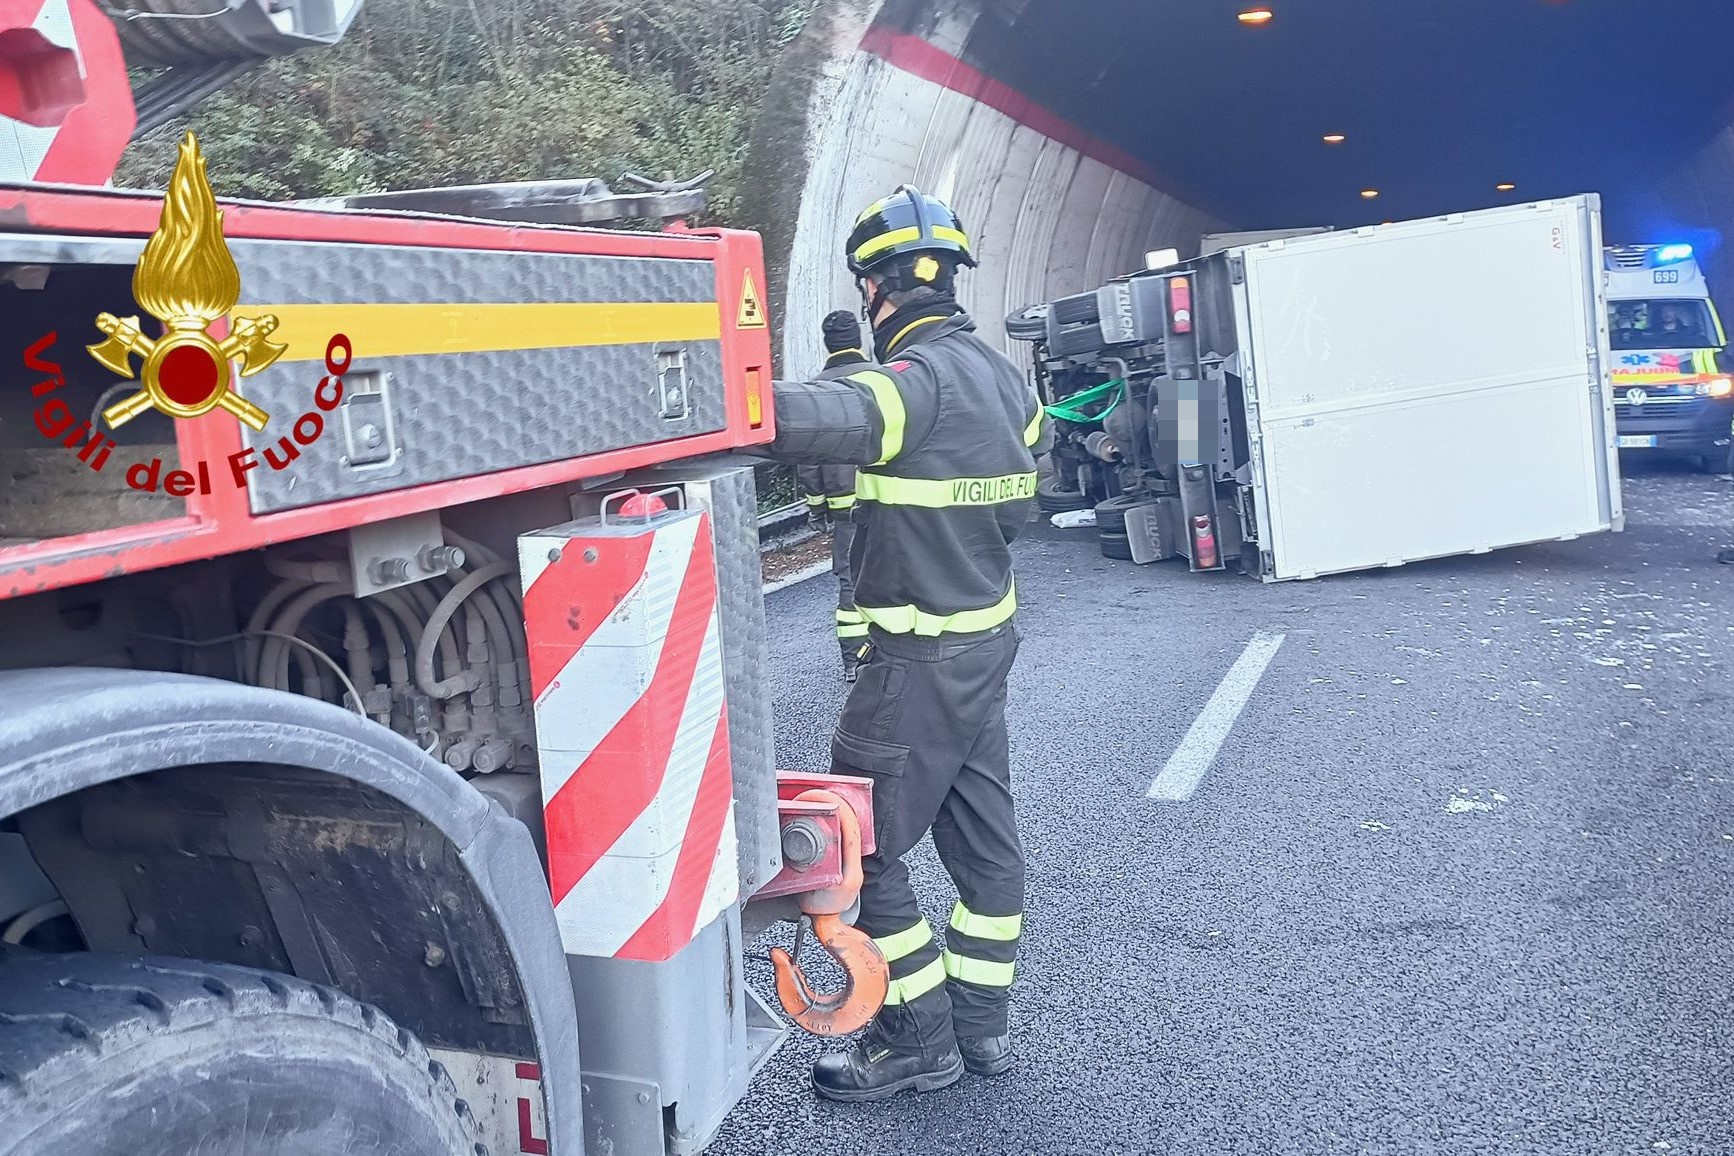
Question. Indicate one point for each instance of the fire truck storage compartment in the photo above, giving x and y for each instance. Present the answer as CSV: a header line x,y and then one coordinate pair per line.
x,y
46,489
1429,388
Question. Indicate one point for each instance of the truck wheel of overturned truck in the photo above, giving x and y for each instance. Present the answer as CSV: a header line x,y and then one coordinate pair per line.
x,y
1117,546
155,1056
1051,498
1111,514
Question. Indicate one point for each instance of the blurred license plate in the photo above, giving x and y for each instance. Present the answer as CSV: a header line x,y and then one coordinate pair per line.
x,y
1638,443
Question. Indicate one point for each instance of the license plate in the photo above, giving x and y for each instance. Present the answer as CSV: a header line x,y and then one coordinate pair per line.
x,y
1638,443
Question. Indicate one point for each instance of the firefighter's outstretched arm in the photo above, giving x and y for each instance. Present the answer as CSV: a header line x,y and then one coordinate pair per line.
x,y
867,418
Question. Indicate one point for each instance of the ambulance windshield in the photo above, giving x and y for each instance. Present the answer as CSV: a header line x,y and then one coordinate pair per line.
x,y
1675,324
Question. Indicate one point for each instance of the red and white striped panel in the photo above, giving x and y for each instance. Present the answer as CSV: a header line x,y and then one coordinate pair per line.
x,y
66,110
632,730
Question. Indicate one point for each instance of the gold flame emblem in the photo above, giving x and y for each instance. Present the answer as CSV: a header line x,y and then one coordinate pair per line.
x,y
187,279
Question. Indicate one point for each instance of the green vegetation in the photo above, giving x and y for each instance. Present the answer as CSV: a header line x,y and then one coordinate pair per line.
x,y
444,92
449,92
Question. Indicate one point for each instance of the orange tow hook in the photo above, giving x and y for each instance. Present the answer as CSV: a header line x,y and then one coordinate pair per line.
x,y
866,975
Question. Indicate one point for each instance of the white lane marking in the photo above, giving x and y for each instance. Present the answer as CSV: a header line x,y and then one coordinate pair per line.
x,y
799,577
1197,751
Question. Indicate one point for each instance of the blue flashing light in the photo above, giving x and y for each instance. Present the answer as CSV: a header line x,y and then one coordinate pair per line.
x,y
1671,253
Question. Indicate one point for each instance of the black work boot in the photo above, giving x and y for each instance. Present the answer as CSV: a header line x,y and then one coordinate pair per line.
x,y
986,1055
899,1053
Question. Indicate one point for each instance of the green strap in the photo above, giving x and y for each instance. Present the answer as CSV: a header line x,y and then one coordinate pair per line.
x,y
1071,408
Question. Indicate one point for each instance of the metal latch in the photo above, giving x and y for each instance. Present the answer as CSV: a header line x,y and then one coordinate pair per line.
x,y
369,435
672,385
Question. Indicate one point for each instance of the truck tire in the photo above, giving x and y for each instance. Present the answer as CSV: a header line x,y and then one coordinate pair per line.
x,y
1116,545
1111,514
155,1056
1051,498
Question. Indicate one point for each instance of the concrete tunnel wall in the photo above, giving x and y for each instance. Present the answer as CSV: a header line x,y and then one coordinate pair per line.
x,y
1695,203
876,93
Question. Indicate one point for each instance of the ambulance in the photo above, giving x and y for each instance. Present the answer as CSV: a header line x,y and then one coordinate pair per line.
x,y
1671,392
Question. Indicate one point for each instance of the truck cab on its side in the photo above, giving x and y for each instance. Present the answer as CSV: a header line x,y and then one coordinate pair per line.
x,y
1671,393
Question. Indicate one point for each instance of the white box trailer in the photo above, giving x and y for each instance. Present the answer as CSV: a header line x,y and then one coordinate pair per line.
x,y
1428,388
1341,401
1217,242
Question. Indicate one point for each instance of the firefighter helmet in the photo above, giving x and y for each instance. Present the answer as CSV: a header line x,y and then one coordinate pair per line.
x,y
916,236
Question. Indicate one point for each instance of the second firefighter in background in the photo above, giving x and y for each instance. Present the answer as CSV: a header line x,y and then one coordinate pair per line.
x,y
945,430
829,492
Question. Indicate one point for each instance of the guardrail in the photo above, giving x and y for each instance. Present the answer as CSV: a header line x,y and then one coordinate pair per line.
x,y
775,524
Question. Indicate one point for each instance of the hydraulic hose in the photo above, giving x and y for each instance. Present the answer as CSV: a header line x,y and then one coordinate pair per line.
x,y
442,614
396,655
357,645
254,642
274,663
510,601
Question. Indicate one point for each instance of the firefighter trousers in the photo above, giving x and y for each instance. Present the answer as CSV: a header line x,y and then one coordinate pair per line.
x,y
851,623
926,722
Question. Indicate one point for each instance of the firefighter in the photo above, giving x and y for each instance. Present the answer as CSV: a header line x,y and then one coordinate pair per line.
x,y
830,494
945,430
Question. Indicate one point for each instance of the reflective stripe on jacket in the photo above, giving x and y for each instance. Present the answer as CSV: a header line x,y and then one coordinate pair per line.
x,y
946,434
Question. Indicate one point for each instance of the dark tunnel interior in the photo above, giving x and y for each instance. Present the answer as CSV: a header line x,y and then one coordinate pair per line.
x,y
1439,102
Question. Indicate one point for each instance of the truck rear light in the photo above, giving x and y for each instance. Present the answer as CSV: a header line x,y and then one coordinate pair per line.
x,y
1180,304
1204,543
755,397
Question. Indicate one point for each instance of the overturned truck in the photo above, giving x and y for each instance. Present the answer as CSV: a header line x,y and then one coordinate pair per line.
x,y
1340,401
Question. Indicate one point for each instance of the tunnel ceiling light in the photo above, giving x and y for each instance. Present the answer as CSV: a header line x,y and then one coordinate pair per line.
x,y
1369,194
1256,16
1335,138
1505,186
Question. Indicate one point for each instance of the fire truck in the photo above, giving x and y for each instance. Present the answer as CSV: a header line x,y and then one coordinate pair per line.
x,y
385,759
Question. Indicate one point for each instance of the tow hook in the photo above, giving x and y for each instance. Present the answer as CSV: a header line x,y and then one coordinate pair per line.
x,y
866,975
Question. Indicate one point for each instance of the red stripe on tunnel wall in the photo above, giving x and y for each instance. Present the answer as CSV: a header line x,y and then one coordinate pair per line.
x,y
919,58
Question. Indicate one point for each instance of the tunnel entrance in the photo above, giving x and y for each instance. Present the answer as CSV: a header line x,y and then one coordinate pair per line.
x,y
1075,137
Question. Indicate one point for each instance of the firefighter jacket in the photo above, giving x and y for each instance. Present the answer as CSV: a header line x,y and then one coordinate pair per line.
x,y
945,433
832,486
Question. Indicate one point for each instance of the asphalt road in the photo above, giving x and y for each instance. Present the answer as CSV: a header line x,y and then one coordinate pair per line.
x,y
1460,879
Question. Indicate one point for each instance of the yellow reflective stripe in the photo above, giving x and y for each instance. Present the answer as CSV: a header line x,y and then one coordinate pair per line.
x,y
1033,431
891,347
891,409
911,939
897,237
912,620
943,493
980,972
390,329
850,624
815,500
998,928
1704,361
955,236
886,241
847,502
913,987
